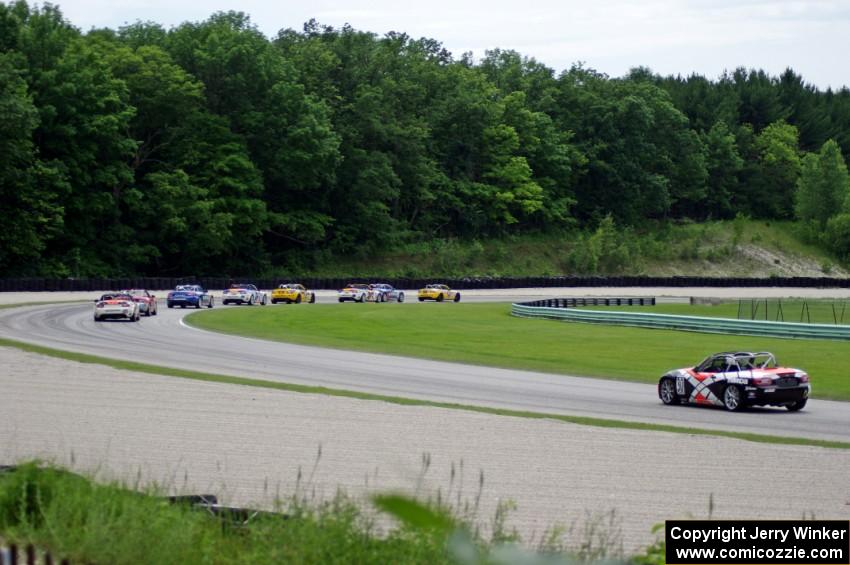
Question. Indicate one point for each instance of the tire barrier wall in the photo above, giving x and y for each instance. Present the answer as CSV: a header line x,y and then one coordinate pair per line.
x,y
464,283
688,323
592,301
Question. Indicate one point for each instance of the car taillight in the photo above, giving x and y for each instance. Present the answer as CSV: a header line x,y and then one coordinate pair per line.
x,y
100,305
762,381
124,304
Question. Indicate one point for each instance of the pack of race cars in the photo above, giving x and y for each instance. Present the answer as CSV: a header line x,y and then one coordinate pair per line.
x,y
132,304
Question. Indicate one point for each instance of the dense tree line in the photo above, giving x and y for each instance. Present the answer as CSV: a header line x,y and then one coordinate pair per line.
x,y
210,148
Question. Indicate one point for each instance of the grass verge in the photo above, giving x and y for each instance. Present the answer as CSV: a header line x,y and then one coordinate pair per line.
x,y
85,522
74,517
581,420
485,334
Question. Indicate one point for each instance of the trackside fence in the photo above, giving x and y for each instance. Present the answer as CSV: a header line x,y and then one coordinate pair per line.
x,y
676,322
29,555
592,301
462,283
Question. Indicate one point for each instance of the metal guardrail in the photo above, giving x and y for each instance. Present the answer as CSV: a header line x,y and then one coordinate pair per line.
x,y
688,323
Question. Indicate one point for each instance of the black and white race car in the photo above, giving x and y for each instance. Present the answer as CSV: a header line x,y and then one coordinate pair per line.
x,y
735,381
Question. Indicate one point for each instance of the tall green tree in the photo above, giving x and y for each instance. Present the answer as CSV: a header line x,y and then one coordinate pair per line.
x,y
824,185
779,169
288,132
642,159
723,165
29,189
82,133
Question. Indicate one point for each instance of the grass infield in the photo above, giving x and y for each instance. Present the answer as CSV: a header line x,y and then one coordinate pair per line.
x,y
486,334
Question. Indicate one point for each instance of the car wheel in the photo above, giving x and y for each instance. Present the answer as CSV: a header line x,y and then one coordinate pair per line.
x,y
733,399
341,300
440,298
457,297
421,300
313,298
274,300
298,299
96,319
170,304
667,392
198,306
183,306
362,298
251,301
795,406
401,297
212,301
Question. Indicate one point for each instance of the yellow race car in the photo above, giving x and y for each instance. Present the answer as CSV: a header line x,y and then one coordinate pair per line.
x,y
438,292
290,293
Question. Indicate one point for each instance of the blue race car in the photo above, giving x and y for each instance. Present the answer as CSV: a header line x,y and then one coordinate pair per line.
x,y
189,295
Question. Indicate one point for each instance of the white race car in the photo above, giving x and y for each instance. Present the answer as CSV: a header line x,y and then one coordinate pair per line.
x,y
244,294
354,292
116,305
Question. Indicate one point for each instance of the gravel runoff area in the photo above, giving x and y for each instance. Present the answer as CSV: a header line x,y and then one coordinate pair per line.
x,y
246,444
512,294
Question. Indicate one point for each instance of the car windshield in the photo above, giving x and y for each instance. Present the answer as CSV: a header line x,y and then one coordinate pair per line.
x,y
362,286
188,288
137,293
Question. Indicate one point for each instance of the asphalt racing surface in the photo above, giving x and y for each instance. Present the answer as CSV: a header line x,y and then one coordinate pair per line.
x,y
165,340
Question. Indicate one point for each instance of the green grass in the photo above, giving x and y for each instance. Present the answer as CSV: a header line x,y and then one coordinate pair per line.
x,y
76,518
86,522
486,334
580,420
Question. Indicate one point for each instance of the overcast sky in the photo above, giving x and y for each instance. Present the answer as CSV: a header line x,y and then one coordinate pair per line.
x,y
611,36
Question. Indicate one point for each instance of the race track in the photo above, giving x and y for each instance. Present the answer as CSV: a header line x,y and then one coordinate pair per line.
x,y
164,340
